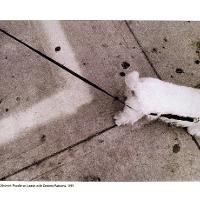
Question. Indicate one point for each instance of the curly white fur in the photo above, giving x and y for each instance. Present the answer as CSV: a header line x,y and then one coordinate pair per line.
x,y
150,95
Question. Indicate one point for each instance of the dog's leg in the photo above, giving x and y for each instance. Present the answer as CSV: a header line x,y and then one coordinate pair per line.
x,y
194,130
128,115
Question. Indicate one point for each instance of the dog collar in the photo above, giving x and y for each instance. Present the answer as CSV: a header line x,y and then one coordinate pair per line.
x,y
177,117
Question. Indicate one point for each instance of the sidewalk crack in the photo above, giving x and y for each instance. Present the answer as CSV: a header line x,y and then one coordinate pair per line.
x,y
58,152
143,51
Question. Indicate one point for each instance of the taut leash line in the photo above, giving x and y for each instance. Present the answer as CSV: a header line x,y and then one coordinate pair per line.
x,y
64,68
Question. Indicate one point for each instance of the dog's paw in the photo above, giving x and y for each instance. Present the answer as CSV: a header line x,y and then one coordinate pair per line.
x,y
120,119
117,119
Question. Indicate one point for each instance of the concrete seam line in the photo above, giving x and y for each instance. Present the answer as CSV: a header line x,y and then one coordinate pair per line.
x,y
194,140
143,51
58,152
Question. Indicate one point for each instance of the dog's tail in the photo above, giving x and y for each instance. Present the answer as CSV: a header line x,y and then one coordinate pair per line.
x,y
132,80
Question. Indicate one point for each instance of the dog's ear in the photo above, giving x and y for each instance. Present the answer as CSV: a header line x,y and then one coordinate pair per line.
x,y
132,92
132,80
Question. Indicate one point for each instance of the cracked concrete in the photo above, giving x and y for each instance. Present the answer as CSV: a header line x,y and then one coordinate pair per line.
x,y
85,145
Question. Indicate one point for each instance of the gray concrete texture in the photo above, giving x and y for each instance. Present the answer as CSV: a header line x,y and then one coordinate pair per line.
x,y
56,127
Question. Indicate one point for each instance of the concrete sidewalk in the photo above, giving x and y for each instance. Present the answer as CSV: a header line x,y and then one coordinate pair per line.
x,y
56,127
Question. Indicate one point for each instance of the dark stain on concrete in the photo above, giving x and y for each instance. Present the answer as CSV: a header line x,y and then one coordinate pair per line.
x,y
18,99
100,141
176,148
116,98
57,49
6,57
84,63
198,45
179,71
1,100
43,138
172,76
104,45
6,109
125,65
122,74
154,50
165,39
90,178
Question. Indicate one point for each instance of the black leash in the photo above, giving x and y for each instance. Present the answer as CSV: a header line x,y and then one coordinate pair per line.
x,y
64,68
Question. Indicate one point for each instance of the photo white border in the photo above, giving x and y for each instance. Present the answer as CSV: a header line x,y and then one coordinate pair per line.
x,y
103,10
100,9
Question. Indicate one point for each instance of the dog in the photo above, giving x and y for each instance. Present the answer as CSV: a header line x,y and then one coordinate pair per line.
x,y
156,99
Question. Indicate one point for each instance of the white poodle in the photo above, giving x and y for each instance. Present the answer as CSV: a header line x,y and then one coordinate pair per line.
x,y
174,104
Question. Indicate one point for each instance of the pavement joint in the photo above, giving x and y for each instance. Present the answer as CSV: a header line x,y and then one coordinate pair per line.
x,y
194,140
143,51
58,152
